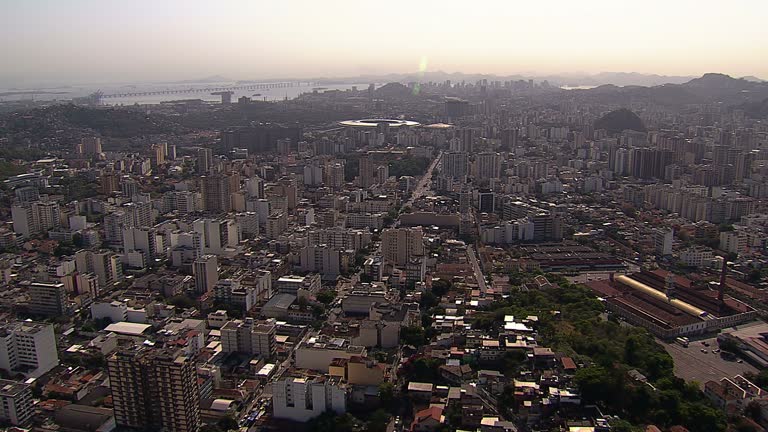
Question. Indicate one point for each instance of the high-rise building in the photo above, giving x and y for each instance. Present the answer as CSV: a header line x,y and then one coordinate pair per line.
x,y
367,171
646,163
456,108
744,163
215,190
185,247
24,222
139,213
249,336
142,240
340,238
455,164
400,245
334,175
15,402
259,138
159,152
284,146
621,162
28,348
488,165
217,234
313,174
154,389
47,299
49,216
247,224
204,160
106,265
382,174
35,218
182,202
277,223
254,186
109,182
87,283
663,238
510,138
27,194
90,145
129,186
303,398
466,139
206,272
486,201
330,262
113,227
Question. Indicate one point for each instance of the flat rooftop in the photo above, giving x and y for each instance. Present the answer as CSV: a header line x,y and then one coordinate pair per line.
x,y
128,328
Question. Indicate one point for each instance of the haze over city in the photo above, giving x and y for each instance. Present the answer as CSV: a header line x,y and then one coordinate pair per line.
x,y
383,216
81,41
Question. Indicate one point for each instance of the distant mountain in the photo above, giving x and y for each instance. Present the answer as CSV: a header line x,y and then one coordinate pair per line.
x,y
752,78
394,90
574,80
630,79
756,110
710,88
620,120
210,79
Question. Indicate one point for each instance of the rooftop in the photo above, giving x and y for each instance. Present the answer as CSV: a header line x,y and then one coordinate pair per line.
x,y
372,123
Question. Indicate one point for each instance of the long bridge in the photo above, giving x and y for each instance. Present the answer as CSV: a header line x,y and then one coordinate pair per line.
x,y
191,90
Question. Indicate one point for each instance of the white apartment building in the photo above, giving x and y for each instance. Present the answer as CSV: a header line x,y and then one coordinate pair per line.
x,y
217,234
303,398
28,348
299,286
365,220
206,272
15,402
662,239
339,238
116,311
34,218
697,257
328,261
733,242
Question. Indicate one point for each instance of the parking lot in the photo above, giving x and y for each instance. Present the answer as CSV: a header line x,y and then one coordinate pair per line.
x,y
692,364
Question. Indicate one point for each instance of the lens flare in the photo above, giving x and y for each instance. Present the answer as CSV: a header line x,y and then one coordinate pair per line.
x,y
422,69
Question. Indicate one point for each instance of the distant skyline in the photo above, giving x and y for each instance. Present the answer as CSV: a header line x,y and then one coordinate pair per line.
x,y
88,41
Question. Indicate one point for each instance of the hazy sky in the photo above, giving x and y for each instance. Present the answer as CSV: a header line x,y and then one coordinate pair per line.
x,y
111,41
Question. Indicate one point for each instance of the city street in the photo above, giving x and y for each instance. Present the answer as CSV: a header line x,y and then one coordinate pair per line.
x,y
476,267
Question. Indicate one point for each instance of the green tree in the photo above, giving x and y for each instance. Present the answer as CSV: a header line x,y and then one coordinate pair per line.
x,y
428,300
412,336
387,394
623,426
326,296
378,421
440,287
227,423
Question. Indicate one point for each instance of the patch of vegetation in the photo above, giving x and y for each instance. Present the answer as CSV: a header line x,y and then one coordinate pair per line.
x,y
411,166
620,120
8,169
610,351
